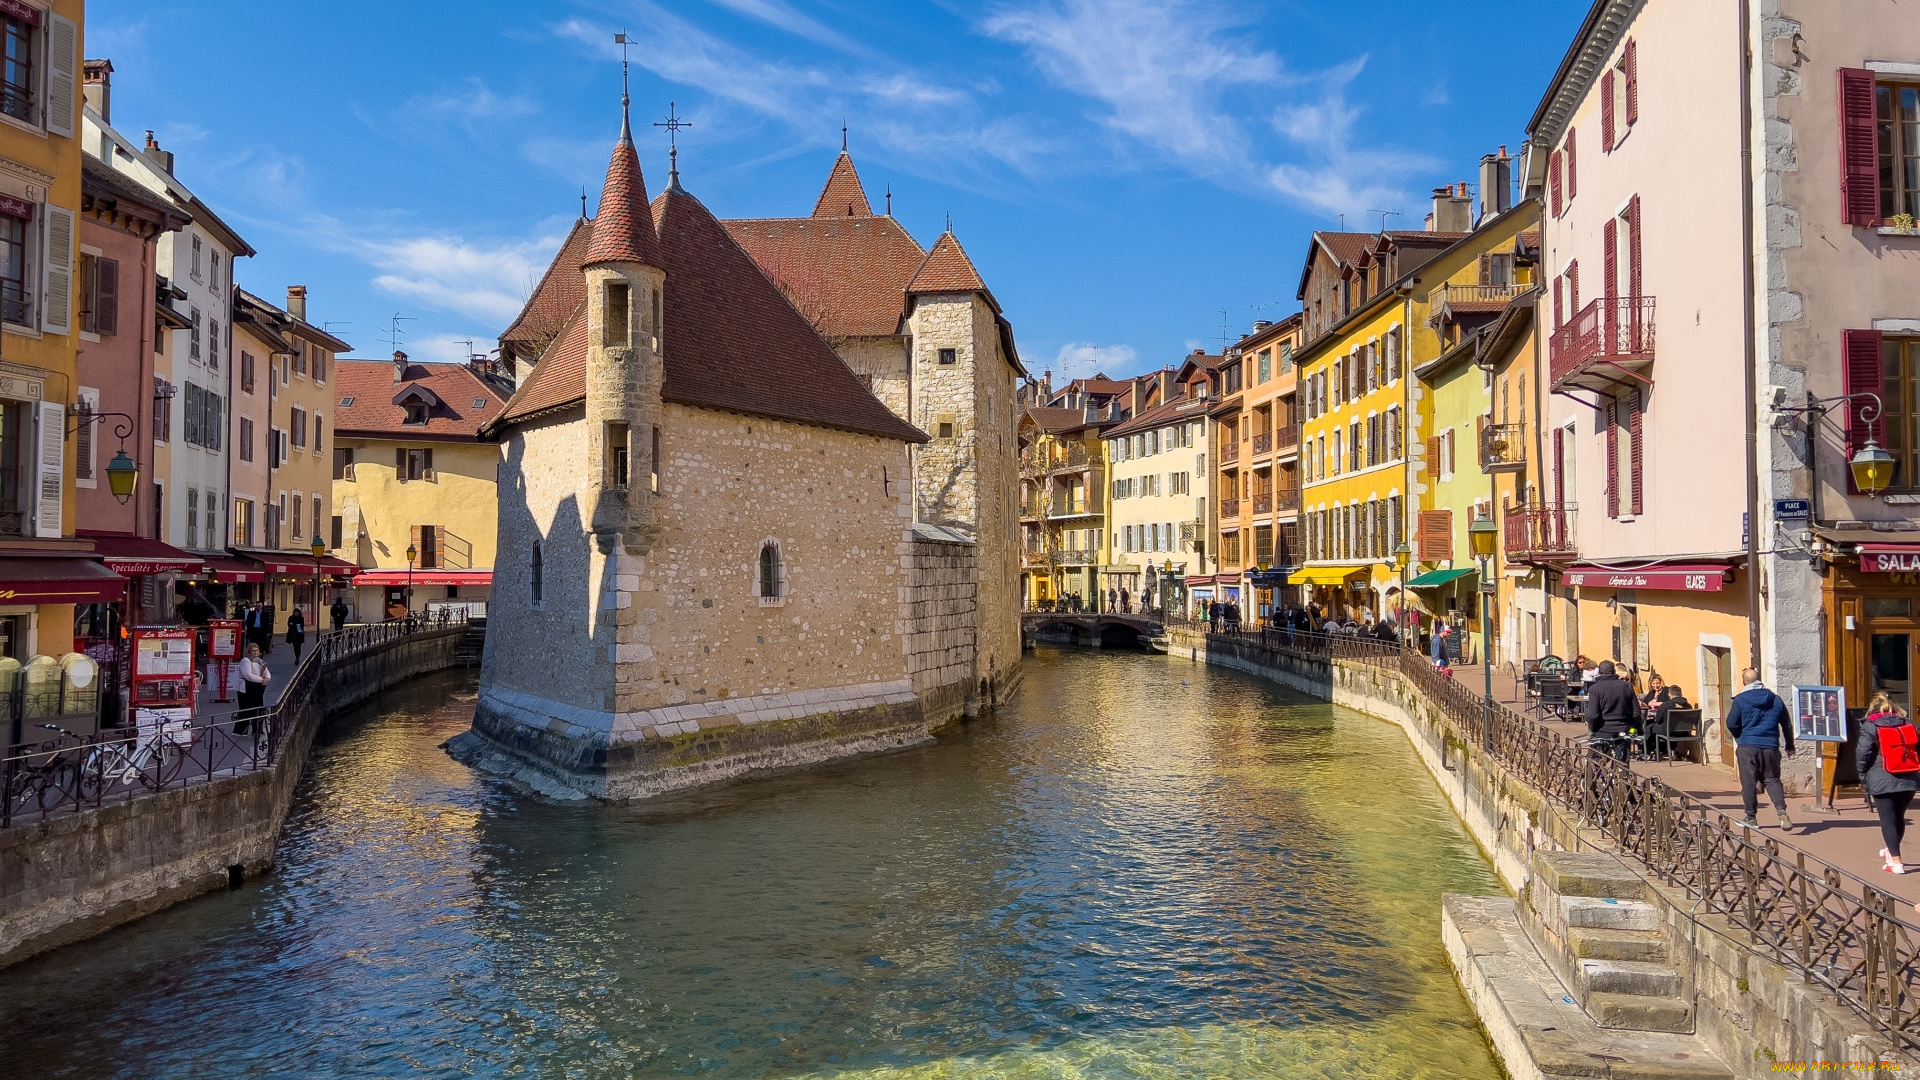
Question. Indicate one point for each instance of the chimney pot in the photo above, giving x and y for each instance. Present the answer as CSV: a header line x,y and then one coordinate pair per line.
x,y
297,302
98,88
399,366
161,158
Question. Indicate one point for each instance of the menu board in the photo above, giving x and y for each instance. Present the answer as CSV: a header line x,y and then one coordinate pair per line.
x,y
155,655
1820,713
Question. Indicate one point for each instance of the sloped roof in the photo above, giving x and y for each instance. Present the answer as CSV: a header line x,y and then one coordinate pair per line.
x,y
560,293
623,229
281,322
1056,421
848,275
369,385
947,269
1167,412
843,196
732,340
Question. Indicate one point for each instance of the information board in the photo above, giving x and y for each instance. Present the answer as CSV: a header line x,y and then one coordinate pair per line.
x,y
1820,713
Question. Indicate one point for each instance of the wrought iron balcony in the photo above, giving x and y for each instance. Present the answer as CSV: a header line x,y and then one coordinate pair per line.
x,y
1287,437
1503,448
1229,451
1263,443
1286,500
1540,533
1263,502
1075,558
1607,345
1229,508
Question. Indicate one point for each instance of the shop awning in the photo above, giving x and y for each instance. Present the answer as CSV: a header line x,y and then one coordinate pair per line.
x,y
59,581
273,562
1326,575
133,556
235,571
1433,579
1675,577
1889,558
424,577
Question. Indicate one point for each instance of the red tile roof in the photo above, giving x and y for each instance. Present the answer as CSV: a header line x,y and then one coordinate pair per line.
x,y
732,341
947,269
1344,247
843,196
1057,421
1160,416
560,293
365,394
848,275
623,231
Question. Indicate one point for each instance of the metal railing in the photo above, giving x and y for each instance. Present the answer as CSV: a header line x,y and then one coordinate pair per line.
x,y
1480,293
1263,502
1229,450
1539,532
1503,448
1229,508
1611,329
1832,927
1263,443
1286,436
71,772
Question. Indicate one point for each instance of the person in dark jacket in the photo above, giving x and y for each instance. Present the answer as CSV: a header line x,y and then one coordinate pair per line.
x,y
296,632
1758,722
1611,709
1892,792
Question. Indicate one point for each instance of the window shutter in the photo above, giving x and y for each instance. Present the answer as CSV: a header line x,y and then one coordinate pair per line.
x,y
427,464
51,472
56,289
1480,439
1436,535
1859,149
1559,302
1613,458
1433,455
1486,269
1636,458
400,464
1630,60
1609,256
1573,290
1633,247
83,440
1554,193
420,551
1606,111
106,297
1452,465
1573,167
63,71
1559,467
1864,373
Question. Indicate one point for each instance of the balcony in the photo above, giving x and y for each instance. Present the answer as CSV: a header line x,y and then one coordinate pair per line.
x,y
1263,503
1075,558
1287,438
1470,298
1229,508
1065,508
1286,501
1032,511
1035,560
1503,448
1229,451
1609,344
1263,443
1056,458
1539,533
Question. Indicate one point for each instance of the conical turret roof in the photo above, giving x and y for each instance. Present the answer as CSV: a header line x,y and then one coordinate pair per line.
x,y
844,196
623,231
947,269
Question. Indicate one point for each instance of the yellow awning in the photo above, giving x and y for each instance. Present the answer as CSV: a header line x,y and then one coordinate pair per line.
x,y
1325,575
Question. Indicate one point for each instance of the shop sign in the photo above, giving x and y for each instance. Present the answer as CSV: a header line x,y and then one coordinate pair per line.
x,y
140,567
1890,562
1792,509
1708,579
1820,713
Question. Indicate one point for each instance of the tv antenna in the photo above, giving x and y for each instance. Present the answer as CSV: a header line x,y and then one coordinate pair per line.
x,y
394,332
1226,333
1383,217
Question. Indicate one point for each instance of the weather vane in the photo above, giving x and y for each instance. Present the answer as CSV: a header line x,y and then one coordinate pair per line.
x,y
673,124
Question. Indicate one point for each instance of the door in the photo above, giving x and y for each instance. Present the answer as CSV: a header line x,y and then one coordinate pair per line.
x,y
1716,694
1890,668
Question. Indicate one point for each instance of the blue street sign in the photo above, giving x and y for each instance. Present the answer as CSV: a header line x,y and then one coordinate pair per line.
x,y
1792,509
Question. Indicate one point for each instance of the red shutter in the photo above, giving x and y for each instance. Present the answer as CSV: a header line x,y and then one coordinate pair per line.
x,y
1633,252
1573,167
1613,458
106,297
1863,371
1436,536
1635,458
1573,290
1486,269
1606,111
1559,307
1559,466
1630,60
1859,149
1433,455
1609,256
1553,183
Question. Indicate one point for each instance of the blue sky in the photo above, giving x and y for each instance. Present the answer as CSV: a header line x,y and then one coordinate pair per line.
x,y
1120,170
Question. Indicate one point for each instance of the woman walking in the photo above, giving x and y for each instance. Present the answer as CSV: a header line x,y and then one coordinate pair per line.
x,y
296,632
254,677
1889,758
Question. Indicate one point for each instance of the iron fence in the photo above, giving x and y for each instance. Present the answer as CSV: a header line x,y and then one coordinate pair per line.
x,y
1833,927
69,772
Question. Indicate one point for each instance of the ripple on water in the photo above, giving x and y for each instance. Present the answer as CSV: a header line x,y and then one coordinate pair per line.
x,y
1140,868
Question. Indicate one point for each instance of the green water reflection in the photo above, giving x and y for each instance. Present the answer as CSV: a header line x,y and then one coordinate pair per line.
x,y
1140,868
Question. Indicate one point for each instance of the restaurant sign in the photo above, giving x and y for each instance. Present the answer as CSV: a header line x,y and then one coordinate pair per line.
x,y
1890,562
1677,579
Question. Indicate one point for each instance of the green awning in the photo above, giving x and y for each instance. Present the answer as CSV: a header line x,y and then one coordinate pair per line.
x,y
1433,579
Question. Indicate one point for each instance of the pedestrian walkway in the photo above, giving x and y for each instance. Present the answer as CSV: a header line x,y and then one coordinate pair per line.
x,y
1848,837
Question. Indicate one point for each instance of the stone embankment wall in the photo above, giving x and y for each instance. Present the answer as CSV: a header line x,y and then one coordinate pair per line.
x,y
72,877
1751,1009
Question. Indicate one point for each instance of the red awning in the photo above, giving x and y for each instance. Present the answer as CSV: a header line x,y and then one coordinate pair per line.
x,y
424,577
132,556
1889,558
235,571
59,581
1674,577
299,565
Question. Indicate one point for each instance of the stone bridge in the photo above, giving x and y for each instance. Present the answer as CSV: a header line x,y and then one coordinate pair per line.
x,y
1094,630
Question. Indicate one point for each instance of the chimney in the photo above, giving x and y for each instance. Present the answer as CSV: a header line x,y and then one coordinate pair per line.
x,y
1452,210
161,158
1261,324
399,367
297,302
99,88
1496,184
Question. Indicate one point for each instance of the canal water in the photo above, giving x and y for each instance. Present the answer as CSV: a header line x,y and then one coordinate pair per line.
x,y
1140,868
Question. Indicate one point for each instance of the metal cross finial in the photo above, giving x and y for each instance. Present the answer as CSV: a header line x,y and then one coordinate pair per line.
x,y
583,202
889,200
843,136
673,124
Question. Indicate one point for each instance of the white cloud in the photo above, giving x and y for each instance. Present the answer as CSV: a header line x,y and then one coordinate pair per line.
x,y
487,282
1082,359
450,348
783,16
468,106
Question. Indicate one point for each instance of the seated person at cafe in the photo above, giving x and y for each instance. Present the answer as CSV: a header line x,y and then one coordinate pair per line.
x,y
1655,704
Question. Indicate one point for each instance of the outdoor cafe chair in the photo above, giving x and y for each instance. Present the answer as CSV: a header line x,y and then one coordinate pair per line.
x,y
1683,728
1551,695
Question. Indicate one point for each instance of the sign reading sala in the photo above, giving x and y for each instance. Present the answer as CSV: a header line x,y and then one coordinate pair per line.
x,y
1890,562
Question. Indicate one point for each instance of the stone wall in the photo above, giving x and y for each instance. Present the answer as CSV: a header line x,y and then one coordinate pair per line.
x,y
81,874
939,612
1751,1009
884,361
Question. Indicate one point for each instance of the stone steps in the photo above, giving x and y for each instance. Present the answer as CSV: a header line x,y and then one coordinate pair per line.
x,y
1610,945
1537,1027
1596,943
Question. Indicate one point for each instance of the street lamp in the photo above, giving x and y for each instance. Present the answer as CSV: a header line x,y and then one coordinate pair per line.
x,y
1402,555
412,554
1872,467
319,552
123,473
1482,533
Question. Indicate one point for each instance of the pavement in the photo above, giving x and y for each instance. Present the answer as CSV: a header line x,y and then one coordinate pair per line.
x,y
1847,837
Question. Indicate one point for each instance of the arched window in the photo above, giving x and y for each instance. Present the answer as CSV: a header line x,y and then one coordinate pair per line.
x,y
770,575
536,578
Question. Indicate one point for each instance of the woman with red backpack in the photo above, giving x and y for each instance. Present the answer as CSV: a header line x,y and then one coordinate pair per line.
x,y
1889,758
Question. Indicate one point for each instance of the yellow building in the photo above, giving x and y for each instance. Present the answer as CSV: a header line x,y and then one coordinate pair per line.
x,y
1376,307
1257,467
44,570
411,474
1063,505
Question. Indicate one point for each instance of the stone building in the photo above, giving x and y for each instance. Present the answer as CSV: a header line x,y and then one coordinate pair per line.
x,y
708,555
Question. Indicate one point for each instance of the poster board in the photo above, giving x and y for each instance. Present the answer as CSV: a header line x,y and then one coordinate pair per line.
x,y
1820,713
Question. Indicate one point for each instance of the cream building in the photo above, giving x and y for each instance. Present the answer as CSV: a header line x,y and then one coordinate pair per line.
x,y
1157,490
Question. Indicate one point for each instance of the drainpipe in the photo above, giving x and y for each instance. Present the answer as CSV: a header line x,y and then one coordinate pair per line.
x,y
1406,421
1539,462
1751,376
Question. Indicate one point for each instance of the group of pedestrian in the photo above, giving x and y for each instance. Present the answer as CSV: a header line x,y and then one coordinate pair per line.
x,y
1225,612
1119,600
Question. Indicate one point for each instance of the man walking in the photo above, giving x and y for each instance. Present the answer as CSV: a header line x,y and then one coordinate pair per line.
x,y
1758,723
1611,708
1113,598
339,614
